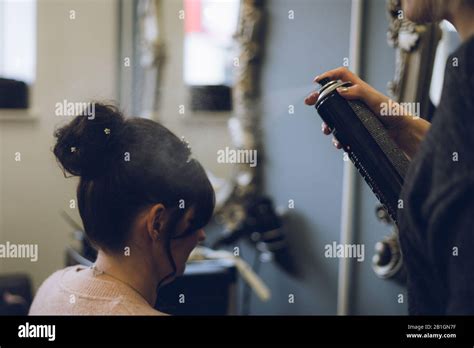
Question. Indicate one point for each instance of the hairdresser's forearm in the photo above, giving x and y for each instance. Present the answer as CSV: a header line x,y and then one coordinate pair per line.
x,y
409,134
405,129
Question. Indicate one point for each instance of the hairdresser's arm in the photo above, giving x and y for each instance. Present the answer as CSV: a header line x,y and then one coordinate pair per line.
x,y
450,241
406,130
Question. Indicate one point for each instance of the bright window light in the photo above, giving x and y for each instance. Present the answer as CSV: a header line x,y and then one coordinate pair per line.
x,y
18,40
208,44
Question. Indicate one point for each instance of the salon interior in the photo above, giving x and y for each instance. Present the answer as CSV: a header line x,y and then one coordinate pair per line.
x,y
230,77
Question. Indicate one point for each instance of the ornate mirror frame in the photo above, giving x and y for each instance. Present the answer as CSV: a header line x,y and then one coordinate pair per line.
x,y
244,126
415,50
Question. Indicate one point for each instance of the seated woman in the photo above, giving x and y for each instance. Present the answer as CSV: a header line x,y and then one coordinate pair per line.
x,y
143,202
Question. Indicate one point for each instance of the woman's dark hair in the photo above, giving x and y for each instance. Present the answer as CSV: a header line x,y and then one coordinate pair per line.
x,y
125,165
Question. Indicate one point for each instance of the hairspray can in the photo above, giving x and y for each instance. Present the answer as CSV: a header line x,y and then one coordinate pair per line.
x,y
375,155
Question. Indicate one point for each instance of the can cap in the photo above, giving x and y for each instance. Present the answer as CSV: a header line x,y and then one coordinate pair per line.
x,y
324,81
327,87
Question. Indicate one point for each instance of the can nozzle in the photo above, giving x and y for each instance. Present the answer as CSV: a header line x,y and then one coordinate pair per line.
x,y
324,81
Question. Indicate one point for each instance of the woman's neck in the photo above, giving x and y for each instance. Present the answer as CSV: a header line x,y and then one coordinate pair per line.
x,y
134,272
462,19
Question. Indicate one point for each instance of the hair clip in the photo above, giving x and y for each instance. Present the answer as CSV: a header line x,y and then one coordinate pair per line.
x,y
188,146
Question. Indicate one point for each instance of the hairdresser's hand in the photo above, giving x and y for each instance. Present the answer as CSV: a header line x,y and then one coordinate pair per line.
x,y
362,91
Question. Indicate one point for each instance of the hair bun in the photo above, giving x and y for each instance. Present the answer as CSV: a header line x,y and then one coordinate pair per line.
x,y
86,145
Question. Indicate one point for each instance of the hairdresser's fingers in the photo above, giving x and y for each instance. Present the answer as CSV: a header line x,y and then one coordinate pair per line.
x,y
363,91
352,92
341,73
312,98
336,143
359,89
325,128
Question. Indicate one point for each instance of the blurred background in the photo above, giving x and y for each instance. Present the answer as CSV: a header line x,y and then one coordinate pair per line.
x,y
194,65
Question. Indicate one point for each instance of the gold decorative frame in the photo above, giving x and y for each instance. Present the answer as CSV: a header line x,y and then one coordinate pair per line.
x,y
415,49
415,46
245,124
151,54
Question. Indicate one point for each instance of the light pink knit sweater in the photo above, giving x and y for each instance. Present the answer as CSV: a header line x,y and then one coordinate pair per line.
x,y
76,291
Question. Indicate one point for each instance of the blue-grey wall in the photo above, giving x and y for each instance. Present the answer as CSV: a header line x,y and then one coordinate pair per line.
x,y
302,165
372,295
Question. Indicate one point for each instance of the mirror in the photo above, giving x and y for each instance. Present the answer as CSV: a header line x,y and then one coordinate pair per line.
x,y
197,68
209,41
209,57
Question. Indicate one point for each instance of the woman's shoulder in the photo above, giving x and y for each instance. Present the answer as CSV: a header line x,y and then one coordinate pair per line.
x,y
453,122
459,72
55,277
48,290
85,294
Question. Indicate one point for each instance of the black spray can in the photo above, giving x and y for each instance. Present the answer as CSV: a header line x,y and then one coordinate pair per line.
x,y
375,155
